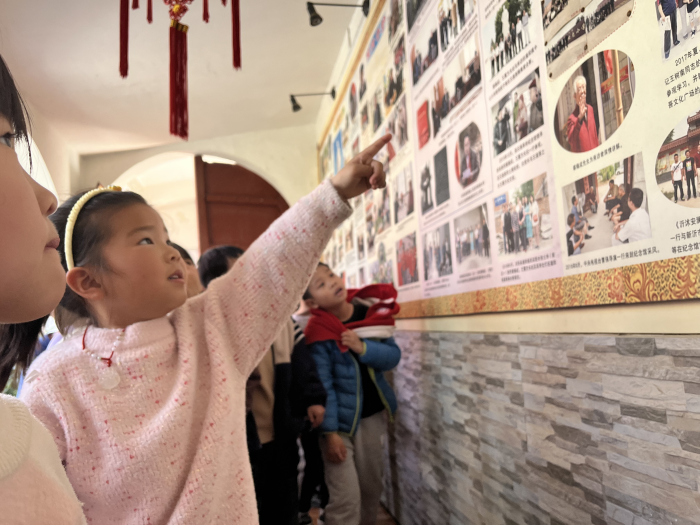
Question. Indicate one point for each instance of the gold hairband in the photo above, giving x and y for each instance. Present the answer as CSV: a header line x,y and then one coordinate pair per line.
x,y
73,217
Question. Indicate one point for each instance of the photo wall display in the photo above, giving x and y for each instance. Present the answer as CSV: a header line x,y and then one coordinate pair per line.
x,y
544,154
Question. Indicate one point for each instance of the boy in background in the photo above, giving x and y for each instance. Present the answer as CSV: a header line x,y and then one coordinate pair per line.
x,y
352,345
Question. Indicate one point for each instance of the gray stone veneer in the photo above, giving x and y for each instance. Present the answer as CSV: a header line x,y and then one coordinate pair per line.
x,y
538,429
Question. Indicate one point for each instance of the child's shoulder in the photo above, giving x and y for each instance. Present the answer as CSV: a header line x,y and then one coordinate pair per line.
x,y
54,360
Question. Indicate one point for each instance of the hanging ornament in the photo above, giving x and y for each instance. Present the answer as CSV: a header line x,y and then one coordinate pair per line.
x,y
236,23
124,38
179,125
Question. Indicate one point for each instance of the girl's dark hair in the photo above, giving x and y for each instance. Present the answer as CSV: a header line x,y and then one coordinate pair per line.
x,y
12,106
17,341
183,253
214,262
90,233
17,347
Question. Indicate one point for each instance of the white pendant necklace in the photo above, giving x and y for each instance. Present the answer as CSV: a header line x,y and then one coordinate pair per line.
x,y
109,377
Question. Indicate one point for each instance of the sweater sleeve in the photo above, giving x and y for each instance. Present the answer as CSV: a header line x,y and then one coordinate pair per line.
x,y
381,355
33,485
249,304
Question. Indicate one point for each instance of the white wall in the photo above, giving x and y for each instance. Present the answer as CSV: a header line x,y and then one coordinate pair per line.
x,y
60,159
286,158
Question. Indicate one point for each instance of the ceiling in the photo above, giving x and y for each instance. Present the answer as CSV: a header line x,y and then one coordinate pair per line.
x,y
65,57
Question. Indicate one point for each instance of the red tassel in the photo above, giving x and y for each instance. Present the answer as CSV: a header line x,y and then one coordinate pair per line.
x,y
124,38
223,2
206,11
236,22
149,12
178,80
135,4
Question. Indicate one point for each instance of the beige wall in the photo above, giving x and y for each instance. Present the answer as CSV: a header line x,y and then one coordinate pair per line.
x,y
61,160
286,158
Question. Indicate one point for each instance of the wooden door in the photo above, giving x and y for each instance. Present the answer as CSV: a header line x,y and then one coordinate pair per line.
x,y
234,205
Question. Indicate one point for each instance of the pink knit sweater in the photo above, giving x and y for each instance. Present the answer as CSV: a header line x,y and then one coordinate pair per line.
x,y
168,444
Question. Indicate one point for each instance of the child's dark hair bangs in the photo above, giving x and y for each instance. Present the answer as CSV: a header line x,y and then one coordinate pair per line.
x,y
12,107
214,262
307,293
90,233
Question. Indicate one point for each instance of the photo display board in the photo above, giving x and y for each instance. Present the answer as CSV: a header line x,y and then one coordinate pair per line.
x,y
544,154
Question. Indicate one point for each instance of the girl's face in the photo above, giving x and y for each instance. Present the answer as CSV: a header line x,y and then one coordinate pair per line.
x,y
145,275
32,280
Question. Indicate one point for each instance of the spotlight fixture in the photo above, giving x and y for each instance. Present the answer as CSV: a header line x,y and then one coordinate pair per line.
x,y
315,19
295,105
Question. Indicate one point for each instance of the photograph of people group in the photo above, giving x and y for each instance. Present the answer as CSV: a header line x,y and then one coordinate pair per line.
x,y
437,253
407,260
592,104
452,17
425,52
678,22
397,125
382,270
469,152
395,18
518,113
507,34
472,240
413,9
678,163
607,208
403,194
349,246
442,177
378,213
557,13
523,221
598,20
459,78
393,79
360,245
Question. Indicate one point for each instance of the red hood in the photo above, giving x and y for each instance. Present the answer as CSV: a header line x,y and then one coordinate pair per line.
x,y
324,326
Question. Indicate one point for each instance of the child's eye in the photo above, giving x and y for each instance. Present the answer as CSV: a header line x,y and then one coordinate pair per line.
x,y
8,140
146,240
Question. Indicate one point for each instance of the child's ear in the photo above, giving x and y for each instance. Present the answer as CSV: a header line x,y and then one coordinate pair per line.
x,y
82,282
310,304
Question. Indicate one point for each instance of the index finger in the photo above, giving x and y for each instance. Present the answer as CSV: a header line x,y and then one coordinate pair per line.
x,y
375,148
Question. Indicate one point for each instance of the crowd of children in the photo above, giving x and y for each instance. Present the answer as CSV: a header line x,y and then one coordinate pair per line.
x,y
177,392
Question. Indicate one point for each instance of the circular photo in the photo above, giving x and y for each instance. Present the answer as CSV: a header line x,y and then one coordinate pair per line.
x,y
468,155
678,162
595,101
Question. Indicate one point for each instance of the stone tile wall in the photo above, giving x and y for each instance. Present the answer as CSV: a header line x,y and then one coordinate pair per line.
x,y
530,429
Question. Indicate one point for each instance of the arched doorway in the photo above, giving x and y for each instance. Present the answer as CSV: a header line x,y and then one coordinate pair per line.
x,y
234,205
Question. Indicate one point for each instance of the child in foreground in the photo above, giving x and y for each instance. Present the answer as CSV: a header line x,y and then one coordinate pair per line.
x,y
33,486
350,334
145,396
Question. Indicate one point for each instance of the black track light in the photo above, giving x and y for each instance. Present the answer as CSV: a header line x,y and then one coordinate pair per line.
x,y
295,105
315,19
